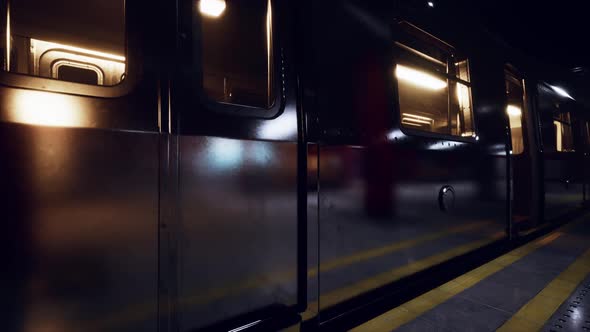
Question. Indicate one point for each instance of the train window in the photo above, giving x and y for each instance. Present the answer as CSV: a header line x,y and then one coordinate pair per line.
x,y
434,87
75,41
562,124
237,57
514,109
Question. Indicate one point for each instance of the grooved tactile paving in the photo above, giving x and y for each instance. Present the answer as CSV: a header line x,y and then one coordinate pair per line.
x,y
574,313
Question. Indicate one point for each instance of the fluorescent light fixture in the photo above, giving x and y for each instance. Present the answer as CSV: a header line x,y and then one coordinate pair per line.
x,y
58,46
513,110
560,91
419,78
423,118
212,8
416,120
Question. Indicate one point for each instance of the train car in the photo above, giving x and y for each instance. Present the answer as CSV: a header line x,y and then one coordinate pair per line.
x,y
217,164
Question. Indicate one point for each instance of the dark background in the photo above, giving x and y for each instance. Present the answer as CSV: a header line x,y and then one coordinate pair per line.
x,y
554,31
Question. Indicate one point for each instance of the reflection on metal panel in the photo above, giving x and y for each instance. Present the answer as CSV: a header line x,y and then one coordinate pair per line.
x,y
383,211
87,243
47,109
238,228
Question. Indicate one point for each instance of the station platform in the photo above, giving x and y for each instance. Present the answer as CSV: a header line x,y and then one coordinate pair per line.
x,y
542,285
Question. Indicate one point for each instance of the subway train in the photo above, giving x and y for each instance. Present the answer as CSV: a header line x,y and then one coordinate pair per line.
x,y
219,164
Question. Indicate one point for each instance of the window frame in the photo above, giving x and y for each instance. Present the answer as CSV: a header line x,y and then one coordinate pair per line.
x,y
571,126
510,73
406,31
133,73
278,73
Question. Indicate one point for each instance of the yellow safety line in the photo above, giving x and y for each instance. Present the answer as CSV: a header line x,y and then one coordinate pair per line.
x,y
384,278
411,310
381,251
533,315
254,282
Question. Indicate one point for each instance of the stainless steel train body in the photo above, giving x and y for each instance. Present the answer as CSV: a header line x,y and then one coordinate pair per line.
x,y
193,164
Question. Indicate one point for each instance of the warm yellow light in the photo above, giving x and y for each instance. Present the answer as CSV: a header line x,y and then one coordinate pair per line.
x,y
419,117
8,37
419,78
416,120
212,8
558,135
46,109
463,97
513,110
75,49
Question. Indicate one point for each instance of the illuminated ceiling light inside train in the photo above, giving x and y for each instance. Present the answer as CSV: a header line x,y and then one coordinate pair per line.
x,y
212,8
419,78
75,49
412,118
513,110
560,91
46,109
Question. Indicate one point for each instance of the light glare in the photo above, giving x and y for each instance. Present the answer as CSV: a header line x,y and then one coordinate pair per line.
x,y
419,78
560,91
212,8
513,110
46,109
430,4
58,46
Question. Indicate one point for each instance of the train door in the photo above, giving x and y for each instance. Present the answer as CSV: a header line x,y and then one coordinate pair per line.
x,y
232,228
562,169
521,161
405,181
